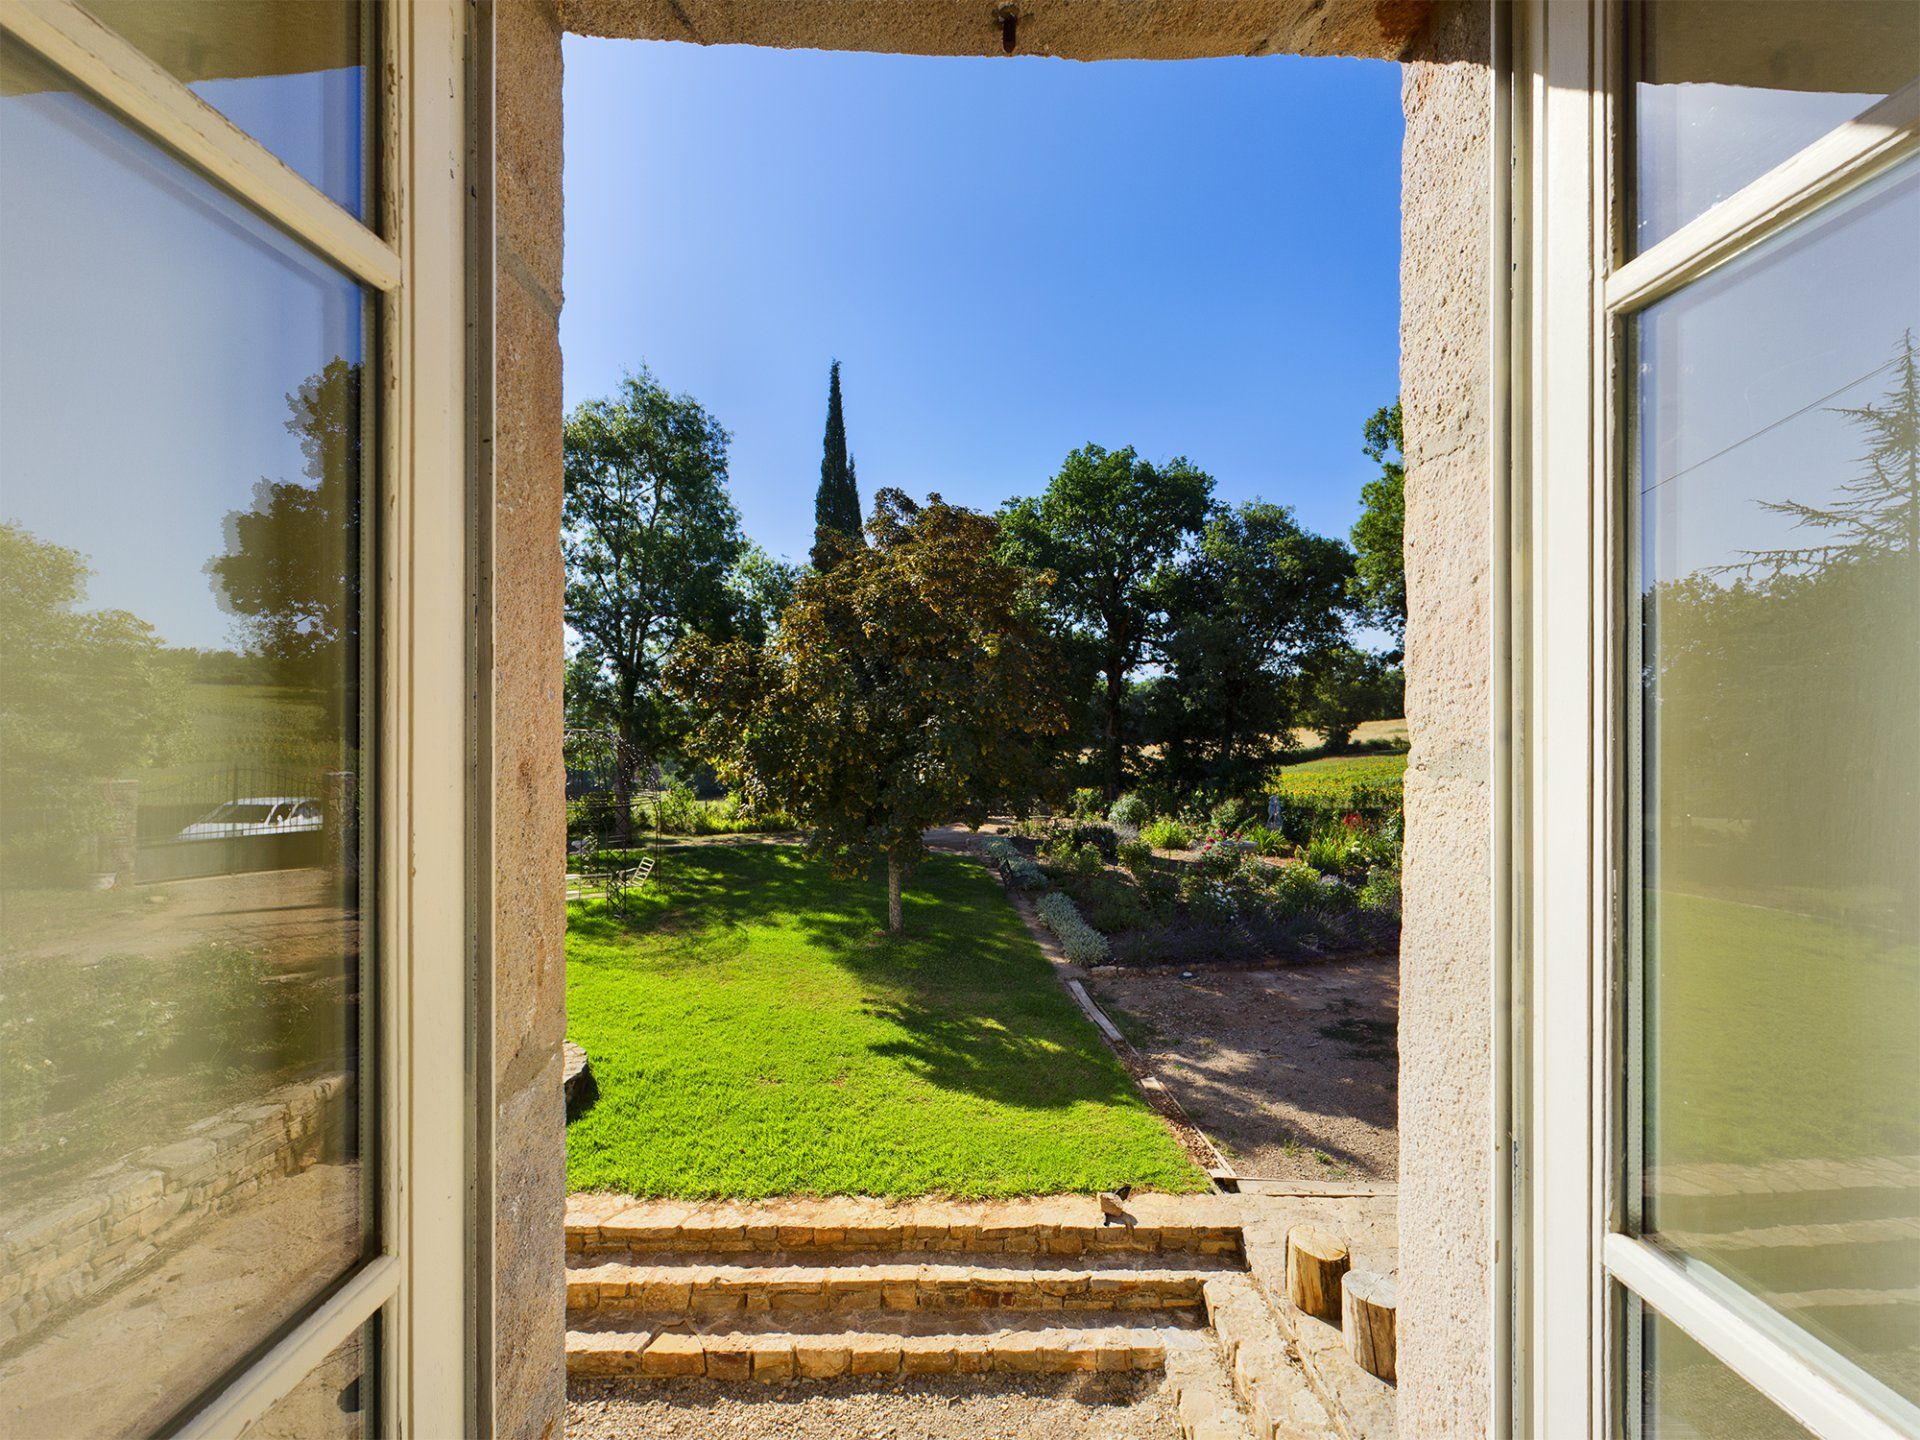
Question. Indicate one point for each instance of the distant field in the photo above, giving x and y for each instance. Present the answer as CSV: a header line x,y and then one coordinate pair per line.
x,y
1370,732
1339,773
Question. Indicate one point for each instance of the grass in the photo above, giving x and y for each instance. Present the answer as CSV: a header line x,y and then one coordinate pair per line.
x,y
754,1033
1779,1036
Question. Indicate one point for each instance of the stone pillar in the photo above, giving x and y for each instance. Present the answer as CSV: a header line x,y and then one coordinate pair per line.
x,y
1447,1151
116,849
528,823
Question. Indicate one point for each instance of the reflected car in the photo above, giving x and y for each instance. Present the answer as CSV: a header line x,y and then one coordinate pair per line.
x,y
257,815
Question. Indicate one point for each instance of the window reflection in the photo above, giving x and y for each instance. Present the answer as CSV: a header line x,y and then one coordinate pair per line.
x,y
291,73
1725,90
1686,1394
1779,453
181,771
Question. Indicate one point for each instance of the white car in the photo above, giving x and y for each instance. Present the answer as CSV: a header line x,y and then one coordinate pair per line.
x,y
257,815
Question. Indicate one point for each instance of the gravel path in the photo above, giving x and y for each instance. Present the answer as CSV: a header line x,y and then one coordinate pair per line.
x,y
933,1407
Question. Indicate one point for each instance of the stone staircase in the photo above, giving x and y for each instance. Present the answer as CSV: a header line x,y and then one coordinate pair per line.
x,y
817,1290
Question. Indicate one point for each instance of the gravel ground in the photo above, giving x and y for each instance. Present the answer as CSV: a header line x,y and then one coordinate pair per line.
x,y
1294,1069
1036,1407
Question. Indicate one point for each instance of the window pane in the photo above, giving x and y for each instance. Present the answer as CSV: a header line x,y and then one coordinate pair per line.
x,y
291,73
1727,89
334,1402
181,1073
1779,460
1686,1394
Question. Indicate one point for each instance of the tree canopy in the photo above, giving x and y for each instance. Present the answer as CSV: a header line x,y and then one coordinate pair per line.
x,y
653,552
910,685
836,505
1110,527
1258,601
1379,536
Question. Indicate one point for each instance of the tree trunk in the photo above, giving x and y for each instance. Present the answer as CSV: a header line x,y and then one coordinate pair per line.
x,y
1315,1263
1369,1322
1115,756
894,875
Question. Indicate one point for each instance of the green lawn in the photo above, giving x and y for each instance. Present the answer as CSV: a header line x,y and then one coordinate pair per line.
x,y
753,1033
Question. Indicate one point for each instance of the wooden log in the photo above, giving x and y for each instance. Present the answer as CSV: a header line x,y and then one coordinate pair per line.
x,y
1369,1324
1315,1262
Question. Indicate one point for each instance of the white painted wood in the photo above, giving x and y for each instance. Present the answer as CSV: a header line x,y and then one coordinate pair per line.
x,y
114,70
1824,1398
426,634
1566,1384
273,1377
1831,165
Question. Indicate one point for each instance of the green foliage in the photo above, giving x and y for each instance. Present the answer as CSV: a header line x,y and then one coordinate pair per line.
x,y
1266,842
836,505
1258,599
1110,904
1344,687
1381,892
1085,803
1166,833
1295,889
1072,858
1079,941
1129,810
1379,536
1329,851
908,686
1110,527
86,697
1137,856
291,567
653,551
1025,874
948,1061
1229,815
676,812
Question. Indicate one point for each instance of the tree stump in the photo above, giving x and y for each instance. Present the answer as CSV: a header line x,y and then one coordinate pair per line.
x,y
1369,1310
1315,1263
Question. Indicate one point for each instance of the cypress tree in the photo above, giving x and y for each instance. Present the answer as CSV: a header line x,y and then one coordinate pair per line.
x,y
836,505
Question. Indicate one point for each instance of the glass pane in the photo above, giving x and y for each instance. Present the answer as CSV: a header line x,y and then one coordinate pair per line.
x,y
181,768
1727,89
1779,458
1686,1394
334,1402
291,73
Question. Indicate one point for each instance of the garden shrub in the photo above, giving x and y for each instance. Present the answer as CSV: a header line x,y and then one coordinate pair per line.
x,y
1165,833
1130,811
1100,837
1137,856
1228,816
996,848
1109,903
1327,852
1085,803
1265,841
1025,874
1182,942
1081,943
1295,889
1208,899
1381,893
1217,856
677,812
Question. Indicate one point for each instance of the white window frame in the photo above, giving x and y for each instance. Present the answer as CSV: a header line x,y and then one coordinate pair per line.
x,y
417,1280
1574,1256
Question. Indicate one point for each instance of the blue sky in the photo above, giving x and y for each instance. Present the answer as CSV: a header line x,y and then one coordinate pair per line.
x,y
1009,258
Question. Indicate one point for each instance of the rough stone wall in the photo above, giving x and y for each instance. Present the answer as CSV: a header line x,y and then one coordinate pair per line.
x,y
1070,29
151,1202
1446,948
529,812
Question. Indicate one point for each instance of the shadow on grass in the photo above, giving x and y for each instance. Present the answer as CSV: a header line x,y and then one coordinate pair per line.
x,y
977,1002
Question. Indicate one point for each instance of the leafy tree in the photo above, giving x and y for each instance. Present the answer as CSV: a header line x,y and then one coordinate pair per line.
x,y
291,569
1379,535
1110,527
653,546
1258,599
1344,686
909,685
89,696
836,505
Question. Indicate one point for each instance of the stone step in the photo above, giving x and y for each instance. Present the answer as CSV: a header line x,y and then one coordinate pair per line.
x,y
1267,1375
880,1280
879,1342
1073,1225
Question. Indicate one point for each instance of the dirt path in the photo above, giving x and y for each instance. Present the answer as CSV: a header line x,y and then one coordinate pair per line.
x,y
1293,1071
